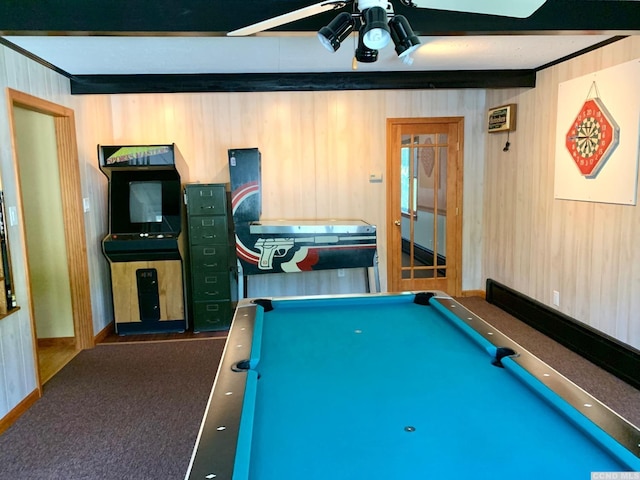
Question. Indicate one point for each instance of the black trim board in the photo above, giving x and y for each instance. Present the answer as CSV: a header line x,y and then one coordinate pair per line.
x,y
605,351
35,58
161,16
263,82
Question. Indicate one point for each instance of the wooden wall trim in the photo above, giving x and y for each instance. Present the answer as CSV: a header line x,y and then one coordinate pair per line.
x,y
74,229
57,342
19,409
104,333
473,293
69,167
36,104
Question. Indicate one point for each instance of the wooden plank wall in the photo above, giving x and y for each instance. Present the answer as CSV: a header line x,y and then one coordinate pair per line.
x,y
318,149
586,251
17,367
18,377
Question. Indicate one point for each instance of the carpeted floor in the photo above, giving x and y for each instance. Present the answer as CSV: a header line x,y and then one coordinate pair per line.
x,y
617,394
116,412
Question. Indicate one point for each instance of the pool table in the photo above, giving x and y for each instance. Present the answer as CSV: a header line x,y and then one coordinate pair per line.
x,y
395,386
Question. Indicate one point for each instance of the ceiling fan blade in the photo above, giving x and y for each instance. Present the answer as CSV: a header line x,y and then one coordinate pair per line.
x,y
505,8
289,17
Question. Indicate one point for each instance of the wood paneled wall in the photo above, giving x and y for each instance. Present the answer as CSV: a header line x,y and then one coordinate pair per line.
x,y
93,127
318,149
17,369
18,377
588,252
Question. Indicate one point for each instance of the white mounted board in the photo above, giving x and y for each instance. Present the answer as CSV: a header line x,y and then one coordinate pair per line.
x,y
616,180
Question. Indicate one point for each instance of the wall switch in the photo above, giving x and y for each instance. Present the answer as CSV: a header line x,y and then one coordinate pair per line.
x,y
556,298
375,177
85,204
13,216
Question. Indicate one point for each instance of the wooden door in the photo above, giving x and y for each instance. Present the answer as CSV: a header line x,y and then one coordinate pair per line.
x,y
424,204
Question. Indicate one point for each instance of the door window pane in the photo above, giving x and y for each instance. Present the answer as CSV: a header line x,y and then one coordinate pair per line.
x,y
408,190
441,201
423,178
425,139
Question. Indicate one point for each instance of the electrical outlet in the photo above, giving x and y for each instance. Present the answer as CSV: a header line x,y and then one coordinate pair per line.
x,y
341,272
556,298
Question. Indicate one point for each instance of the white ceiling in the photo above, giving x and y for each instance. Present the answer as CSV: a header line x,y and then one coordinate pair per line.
x,y
90,55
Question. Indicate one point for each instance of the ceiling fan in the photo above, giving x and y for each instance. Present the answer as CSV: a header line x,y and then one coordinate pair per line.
x,y
377,24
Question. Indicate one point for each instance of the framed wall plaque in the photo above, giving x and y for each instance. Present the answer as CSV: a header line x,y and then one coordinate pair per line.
x,y
502,119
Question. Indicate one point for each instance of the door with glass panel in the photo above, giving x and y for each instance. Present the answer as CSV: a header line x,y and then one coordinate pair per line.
x,y
424,204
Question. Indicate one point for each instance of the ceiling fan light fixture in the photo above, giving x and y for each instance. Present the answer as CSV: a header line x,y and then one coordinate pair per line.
x,y
364,54
405,40
338,29
375,31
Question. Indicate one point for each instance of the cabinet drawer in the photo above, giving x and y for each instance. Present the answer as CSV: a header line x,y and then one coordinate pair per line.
x,y
210,257
211,316
206,200
208,230
211,285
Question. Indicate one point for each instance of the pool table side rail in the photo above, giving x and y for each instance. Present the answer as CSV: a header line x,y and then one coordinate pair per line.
x,y
551,383
216,453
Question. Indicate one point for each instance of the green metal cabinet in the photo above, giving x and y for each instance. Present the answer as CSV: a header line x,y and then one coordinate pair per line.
x,y
212,293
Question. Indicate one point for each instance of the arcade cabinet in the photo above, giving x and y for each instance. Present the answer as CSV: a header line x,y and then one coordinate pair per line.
x,y
144,245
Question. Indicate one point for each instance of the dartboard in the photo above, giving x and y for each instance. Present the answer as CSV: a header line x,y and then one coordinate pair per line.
x,y
592,137
588,137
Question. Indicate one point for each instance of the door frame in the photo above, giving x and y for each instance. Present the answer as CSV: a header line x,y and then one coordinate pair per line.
x,y
72,211
393,190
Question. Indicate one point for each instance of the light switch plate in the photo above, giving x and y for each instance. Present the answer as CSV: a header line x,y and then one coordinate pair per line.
x,y
13,217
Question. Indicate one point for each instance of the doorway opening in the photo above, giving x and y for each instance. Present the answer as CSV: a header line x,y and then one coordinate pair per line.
x,y
52,221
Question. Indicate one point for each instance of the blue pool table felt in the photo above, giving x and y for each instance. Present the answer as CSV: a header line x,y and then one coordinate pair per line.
x,y
395,390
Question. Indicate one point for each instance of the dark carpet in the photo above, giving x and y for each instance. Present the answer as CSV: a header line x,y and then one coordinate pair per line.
x,y
127,411
618,395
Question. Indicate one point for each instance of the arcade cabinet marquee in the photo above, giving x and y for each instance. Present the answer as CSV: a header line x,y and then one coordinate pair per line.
x,y
144,243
